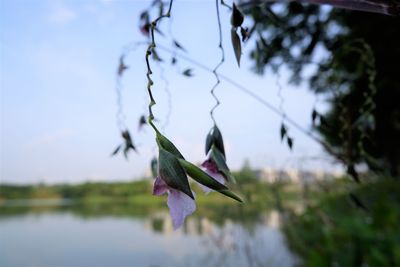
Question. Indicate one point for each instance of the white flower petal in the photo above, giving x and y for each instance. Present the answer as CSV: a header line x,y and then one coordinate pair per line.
x,y
180,205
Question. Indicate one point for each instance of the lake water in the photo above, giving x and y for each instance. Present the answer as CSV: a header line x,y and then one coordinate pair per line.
x,y
74,236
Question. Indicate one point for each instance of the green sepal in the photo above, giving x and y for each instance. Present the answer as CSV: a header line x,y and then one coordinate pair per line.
x,y
214,137
209,141
173,174
203,178
219,159
164,143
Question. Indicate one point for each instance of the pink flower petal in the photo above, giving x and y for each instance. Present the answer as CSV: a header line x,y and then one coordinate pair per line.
x,y
210,165
180,205
160,187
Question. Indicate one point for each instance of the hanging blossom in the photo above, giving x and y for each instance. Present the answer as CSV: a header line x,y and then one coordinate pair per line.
x,y
180,205
211,168
172,178
215,164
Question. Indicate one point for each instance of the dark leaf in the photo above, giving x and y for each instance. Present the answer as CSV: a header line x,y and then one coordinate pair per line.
x,y
358,202
236,17
128,142
144,16
173,174
245,34
283,131
173,60
187,72
314,116
353,173
142,122
237,47
179,46
290,143
116,150
131,146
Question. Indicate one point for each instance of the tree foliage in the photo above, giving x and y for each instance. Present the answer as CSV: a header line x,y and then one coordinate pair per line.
x,y
354,60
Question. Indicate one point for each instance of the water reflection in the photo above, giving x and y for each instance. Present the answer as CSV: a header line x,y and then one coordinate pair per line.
x,y
106,236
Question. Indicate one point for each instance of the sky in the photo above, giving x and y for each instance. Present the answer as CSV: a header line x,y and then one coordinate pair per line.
x,y
58,62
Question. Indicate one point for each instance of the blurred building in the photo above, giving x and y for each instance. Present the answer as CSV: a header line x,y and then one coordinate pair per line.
x,y
270,175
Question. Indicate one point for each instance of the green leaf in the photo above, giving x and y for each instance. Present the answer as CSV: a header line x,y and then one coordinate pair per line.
x,y
173,174
164,143
237,17
237,47
203,178
219,159
200,176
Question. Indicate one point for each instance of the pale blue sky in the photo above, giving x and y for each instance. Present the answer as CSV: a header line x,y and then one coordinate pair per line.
x,y
58,104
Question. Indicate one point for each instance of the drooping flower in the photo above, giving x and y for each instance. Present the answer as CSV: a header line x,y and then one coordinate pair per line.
x,y
211,169
180,205
172,178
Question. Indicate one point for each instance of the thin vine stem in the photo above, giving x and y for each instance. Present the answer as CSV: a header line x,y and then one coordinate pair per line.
x,y
169,97
121,117
149,50
214,71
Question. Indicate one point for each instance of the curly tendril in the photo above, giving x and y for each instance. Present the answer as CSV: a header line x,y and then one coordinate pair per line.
x,y
149,50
